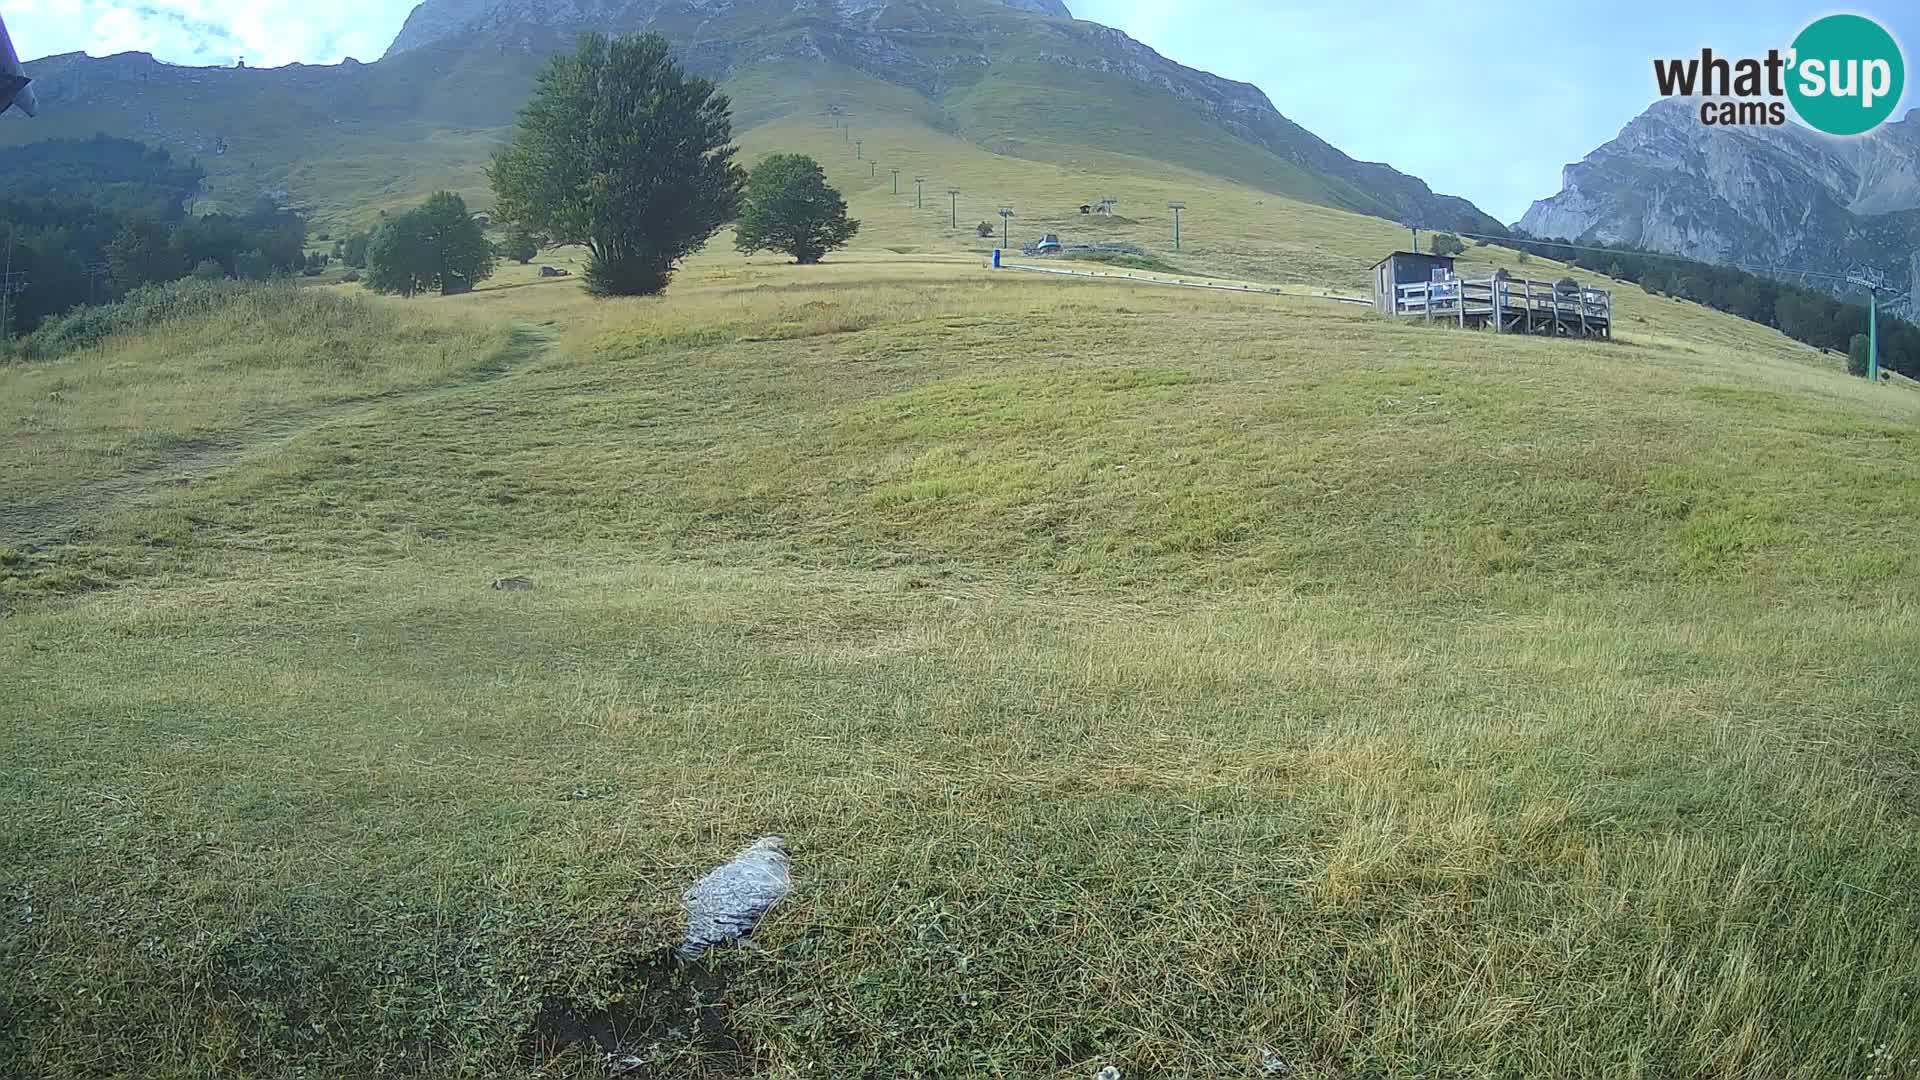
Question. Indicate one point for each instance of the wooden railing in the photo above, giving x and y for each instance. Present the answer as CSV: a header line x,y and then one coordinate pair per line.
x,y
1508,304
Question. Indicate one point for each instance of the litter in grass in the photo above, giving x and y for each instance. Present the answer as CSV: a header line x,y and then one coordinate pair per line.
x,y
513,584
729,902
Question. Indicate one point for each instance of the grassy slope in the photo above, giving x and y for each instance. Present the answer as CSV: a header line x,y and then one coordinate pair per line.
x,y
1143,677
350,142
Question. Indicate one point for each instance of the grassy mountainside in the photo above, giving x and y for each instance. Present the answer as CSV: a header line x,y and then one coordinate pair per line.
x,y
1197,684
356,138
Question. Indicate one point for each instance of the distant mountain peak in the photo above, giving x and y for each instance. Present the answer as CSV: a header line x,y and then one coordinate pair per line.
x,y
1784,196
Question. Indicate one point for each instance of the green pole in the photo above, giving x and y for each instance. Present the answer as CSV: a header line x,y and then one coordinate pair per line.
x,y
1873,336
1176,230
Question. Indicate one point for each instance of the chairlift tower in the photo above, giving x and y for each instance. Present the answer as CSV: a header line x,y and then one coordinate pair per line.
x,y
1875,283
919,192
953,207
896,180
1176,207
1006,216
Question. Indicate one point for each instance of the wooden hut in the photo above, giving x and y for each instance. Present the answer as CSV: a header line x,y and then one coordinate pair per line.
x,y
1405,268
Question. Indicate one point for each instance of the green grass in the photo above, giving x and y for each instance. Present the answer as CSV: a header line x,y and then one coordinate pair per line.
x,y
1167,680
186,378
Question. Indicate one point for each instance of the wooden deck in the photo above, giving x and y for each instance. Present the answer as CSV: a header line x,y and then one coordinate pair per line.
x,y
1509,306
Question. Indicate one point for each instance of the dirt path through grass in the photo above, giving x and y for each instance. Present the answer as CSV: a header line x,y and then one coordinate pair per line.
x,y
39,523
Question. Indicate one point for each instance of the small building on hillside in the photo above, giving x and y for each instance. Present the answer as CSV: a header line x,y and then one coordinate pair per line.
x,y
1406,268
1409,285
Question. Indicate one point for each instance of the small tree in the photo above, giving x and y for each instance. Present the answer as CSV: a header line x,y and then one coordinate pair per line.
x,y
521,244
985,230
437,246
1446,244
354,252
791,208
1858,350
397,256
623,152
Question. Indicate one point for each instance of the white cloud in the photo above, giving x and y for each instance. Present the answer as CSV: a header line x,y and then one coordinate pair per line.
x,y
268,33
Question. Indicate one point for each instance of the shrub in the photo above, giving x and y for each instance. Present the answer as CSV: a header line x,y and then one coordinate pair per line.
x,y
986,230
1446,244
209,270
148,306
1858,354
252,266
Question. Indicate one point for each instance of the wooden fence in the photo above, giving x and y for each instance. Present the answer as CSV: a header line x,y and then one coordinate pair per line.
x,y
1509,306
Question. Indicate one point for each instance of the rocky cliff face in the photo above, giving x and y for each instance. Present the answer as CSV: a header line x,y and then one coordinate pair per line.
x,y
1781,198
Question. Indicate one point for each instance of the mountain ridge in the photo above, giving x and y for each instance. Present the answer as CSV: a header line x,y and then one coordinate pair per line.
x,y
1814,206
1021,77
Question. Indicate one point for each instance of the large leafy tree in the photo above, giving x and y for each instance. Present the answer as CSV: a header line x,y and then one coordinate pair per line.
x,y
791,208
436,246
622,151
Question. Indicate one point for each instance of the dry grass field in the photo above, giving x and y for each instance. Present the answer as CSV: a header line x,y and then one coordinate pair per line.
x,y
1203,685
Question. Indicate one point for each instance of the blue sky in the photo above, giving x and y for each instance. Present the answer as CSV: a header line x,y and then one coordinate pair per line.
x,y
1379,80
1382,87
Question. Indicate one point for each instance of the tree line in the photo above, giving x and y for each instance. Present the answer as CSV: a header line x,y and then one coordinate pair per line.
x,y
118,175
1807,315
68,252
